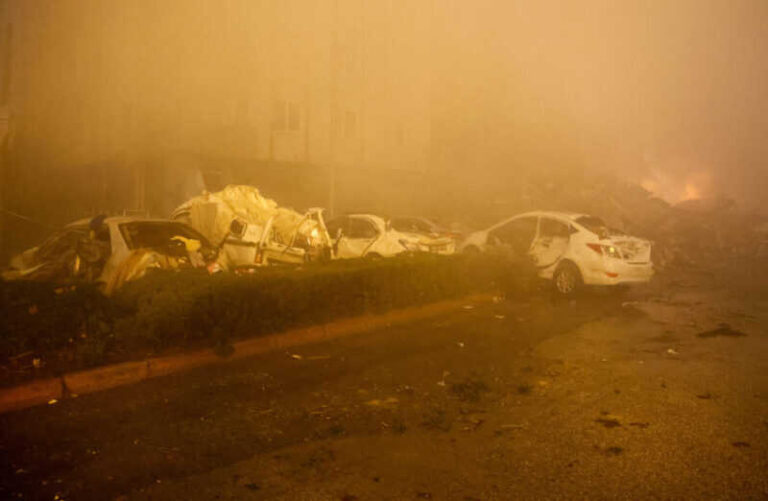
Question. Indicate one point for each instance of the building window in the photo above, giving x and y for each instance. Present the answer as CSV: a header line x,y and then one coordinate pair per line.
x,y
286,116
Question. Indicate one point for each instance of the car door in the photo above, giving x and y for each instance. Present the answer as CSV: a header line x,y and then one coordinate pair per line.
x,y
358,235
514,237
551,242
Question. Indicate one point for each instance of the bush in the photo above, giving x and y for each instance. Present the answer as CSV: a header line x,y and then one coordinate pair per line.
x,y
75,326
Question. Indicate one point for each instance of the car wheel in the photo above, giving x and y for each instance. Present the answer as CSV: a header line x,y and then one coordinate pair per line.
x,y
373,256
567,279
471,249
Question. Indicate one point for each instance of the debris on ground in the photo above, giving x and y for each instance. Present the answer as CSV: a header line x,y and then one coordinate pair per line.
x,y
469,390
723,330
608,421
387,402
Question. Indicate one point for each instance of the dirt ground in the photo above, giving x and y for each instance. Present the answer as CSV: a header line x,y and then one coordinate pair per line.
x,y
660,392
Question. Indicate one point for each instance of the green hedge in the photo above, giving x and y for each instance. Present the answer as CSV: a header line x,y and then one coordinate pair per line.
x,y
75,326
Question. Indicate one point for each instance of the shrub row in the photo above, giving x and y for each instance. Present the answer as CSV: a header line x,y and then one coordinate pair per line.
x,y
74,326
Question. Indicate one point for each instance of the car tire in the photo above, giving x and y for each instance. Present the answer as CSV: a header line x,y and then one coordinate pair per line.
x,y
373,256
567,279
471,249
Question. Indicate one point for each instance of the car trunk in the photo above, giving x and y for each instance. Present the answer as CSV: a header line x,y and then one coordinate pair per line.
x,y
633,250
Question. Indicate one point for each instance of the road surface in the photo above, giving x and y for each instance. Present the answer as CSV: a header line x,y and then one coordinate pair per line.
x,y
642,395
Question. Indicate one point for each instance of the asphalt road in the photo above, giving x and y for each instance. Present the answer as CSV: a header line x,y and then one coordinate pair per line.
x,y
609,396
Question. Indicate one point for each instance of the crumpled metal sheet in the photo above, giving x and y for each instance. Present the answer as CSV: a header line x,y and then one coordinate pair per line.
x,y
136,265
212,213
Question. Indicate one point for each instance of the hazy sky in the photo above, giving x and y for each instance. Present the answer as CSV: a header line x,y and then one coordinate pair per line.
x,y
670,92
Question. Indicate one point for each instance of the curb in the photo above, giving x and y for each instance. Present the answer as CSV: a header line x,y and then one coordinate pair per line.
x,y
111,376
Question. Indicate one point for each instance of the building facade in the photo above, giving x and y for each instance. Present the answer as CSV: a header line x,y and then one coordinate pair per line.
x,y
134,105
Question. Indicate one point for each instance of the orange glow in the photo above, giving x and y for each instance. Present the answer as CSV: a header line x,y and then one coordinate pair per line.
x,y
691,192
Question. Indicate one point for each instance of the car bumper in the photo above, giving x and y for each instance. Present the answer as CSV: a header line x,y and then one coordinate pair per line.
x,y
618,273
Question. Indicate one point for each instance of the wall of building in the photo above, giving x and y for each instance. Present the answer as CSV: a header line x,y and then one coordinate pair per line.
x,y
114,100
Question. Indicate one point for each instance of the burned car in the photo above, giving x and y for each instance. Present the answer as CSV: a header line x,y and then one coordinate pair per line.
x,y
367,235
253,230
569,249
111,251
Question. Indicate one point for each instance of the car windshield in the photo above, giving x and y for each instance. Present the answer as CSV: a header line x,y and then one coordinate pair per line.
x,y
157,234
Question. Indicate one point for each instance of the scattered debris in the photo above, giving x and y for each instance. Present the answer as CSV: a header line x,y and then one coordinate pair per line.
x,y
741,444
296,356
704,396
469,390
500,317
640,425
613,451
608,422
672,351
52,401
442,381
723,330
524,389
460,344
473,424
469,307
387,402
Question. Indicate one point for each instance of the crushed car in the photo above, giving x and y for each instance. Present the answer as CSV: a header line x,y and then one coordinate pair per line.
x,y
371,236
252,230
111,251
569,249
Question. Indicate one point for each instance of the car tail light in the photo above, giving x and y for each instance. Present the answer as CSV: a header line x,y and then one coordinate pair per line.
x,y
605,250
596,247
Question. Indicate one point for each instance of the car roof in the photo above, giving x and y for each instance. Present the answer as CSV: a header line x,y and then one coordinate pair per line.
x,y
361,215
556,214
566,216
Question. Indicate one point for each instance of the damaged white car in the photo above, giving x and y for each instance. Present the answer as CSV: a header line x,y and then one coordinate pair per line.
x,y
111,251
253,230
367,235
569,249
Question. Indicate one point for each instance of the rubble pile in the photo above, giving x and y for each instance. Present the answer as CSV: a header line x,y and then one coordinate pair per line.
x,y
691,233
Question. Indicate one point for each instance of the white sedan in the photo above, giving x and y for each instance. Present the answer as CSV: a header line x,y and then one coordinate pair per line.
x,y
569,249
367,235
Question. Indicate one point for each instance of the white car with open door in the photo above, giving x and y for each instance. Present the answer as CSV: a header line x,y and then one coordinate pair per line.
x,y
569,249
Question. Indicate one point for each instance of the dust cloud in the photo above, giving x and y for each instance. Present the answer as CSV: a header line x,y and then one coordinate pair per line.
x,y
444,108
